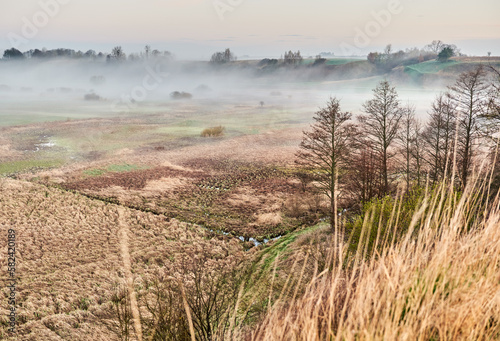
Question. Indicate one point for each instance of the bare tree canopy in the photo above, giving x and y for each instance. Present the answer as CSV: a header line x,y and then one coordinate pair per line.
x,y
411,146
118,54
325,149
493,113
470,96
380,125
223,57
439,137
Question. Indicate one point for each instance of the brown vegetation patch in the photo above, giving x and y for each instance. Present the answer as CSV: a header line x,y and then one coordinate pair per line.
x,y
136,179
271,218
213,131
166,185
243,197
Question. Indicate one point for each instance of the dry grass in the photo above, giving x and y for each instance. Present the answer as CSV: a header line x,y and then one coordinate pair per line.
x,y
71,253
213,131
439,282
271,218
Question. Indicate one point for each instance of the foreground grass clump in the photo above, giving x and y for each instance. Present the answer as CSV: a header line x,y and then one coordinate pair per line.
x,y
213,131
436,281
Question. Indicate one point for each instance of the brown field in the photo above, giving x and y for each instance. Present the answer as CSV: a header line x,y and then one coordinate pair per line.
x,y
193,179
125,205
70,258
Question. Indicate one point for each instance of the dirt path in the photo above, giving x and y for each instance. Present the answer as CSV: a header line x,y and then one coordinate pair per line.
x,y
123,237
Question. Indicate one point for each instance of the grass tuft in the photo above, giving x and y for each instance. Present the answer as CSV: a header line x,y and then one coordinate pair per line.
x,y
213,131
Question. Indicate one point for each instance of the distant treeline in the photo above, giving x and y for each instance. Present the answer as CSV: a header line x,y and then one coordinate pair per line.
x,y
435,50
117,54
387,59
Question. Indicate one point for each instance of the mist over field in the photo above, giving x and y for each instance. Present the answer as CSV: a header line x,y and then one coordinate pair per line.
x,y
55,89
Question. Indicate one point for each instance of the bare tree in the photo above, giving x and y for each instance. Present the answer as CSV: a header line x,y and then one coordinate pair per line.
x,y
435,47
439,135
493,113
225,56
418,150
364,181
293,58
470,95
407,137
325,150
117,54
380,124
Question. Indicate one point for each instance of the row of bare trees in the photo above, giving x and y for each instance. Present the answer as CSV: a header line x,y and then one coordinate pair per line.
x,y
353,161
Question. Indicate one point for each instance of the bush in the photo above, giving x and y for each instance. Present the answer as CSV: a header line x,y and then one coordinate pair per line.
x,y
267,61
206,280
223,57
213,131
445,54
92,97
180,95
309,208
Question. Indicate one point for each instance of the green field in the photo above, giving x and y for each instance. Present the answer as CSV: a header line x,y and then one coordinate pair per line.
x,y
334,61
117,168
13,167
432,66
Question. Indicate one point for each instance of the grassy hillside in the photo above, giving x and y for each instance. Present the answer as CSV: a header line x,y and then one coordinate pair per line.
x,y
434,70
438,282
432,66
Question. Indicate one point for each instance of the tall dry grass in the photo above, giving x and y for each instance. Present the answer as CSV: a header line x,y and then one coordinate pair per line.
x,y
439,281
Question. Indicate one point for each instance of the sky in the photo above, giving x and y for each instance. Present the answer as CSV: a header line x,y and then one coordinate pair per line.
x,y
194,29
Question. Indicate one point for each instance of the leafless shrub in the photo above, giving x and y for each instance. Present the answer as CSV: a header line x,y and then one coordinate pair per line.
x,y
310,206
208,278
123,312
167,318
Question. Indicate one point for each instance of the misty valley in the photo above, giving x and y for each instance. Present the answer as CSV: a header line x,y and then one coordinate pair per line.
x,y
150,197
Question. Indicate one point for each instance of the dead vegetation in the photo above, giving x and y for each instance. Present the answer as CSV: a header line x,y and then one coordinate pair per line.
x,y
242,198
70,263
213,132
437,281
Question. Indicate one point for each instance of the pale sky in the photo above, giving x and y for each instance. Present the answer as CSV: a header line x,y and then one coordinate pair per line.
x,y
196,28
